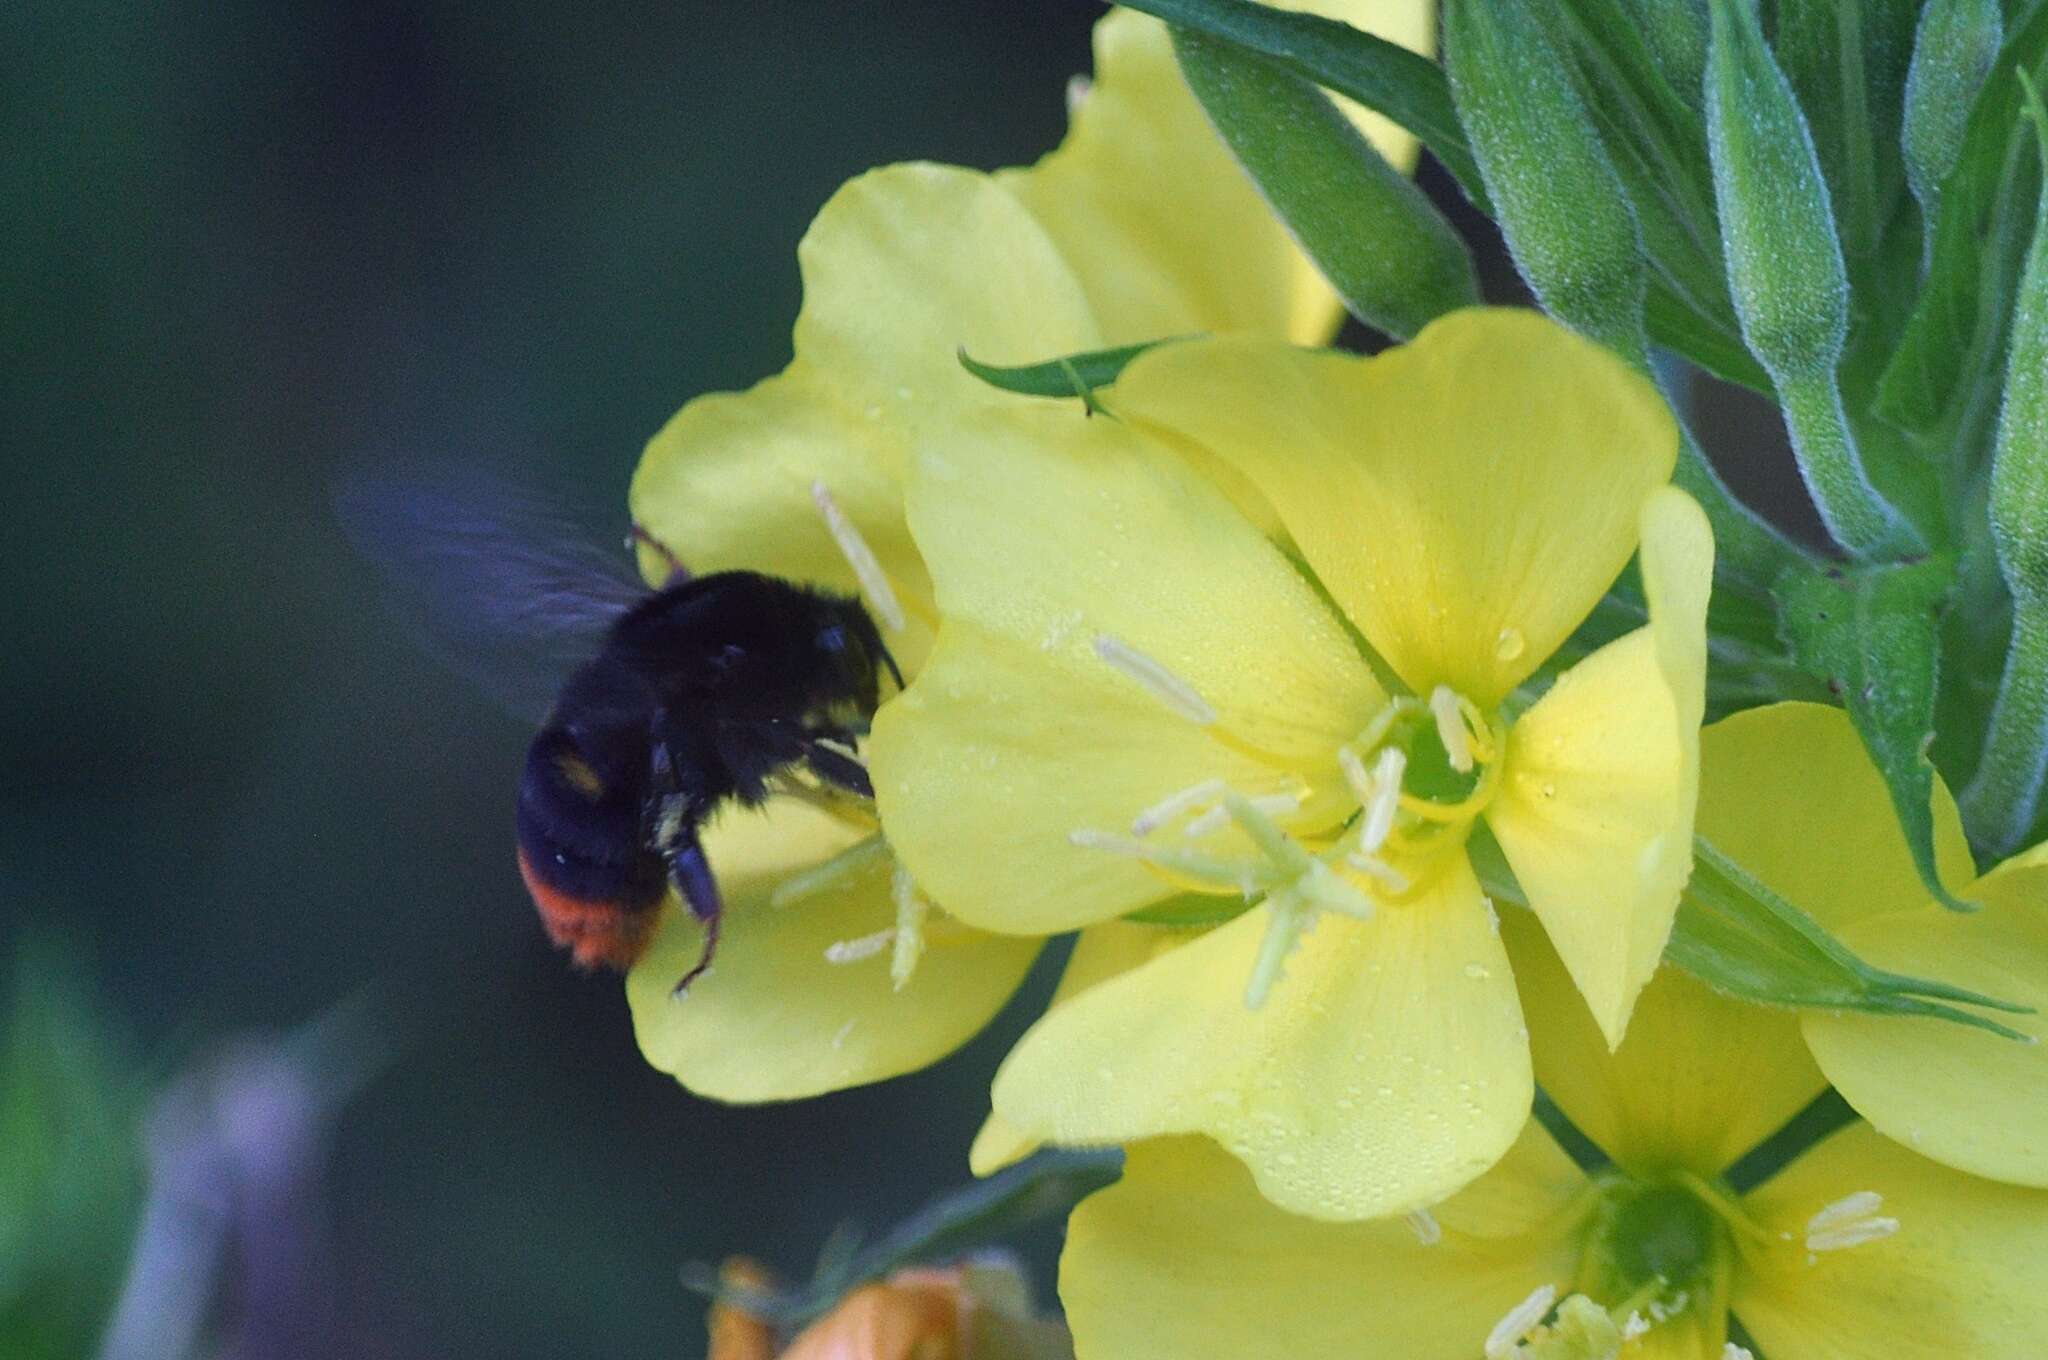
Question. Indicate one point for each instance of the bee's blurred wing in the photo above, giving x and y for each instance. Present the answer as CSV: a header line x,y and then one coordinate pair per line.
x,y
500,585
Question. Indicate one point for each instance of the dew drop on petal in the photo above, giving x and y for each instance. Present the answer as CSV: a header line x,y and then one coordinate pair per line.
x,y
1510,644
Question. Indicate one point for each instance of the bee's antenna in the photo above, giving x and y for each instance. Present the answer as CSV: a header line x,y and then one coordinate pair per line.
x,y
889,660
677,572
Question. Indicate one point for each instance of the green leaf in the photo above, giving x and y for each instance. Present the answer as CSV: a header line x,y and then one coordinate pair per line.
x,y
1739,937
1046,1185
1371,71
1382,245
1873,635
1979,238
1073,375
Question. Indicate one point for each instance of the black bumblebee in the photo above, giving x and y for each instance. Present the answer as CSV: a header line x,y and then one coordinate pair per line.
x,y
711,688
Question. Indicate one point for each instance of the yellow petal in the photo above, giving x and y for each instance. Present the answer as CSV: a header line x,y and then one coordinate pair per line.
x,y
1964,1275
728,485
1697,1083
1050,533
909,264
1789,793
774,1019
1164,231
1596,803
1182,1260
1100,953
1386,1069
1968,1099
1466,498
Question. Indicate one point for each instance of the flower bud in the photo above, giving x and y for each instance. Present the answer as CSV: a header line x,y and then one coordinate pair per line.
x,y
1387,251
1953,51
1555,193
1784,259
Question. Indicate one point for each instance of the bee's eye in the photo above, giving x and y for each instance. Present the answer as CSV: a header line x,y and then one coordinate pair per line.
x,y
832,639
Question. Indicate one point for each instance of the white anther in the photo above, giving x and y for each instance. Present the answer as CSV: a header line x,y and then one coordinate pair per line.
x,y
1355,774
1381,871
1663,1310
1519,1322
1425,1227
1849,1222
861,947
1731,1351
1176,693
1450,727
1088,838
1633,1326
911,911
1210,822
830,873
1174,804
867,569
1078,90
1387,773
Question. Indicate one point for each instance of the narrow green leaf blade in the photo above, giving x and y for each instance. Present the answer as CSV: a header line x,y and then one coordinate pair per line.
x,y
1372,71
1873,635
1072,375
1382,245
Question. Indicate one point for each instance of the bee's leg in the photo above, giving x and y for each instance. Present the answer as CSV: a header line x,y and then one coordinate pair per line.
x,y
677,572
839,769
690,872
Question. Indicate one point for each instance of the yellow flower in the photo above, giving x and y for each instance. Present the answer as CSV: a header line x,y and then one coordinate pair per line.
x,y
1124,651
1856,1250
1793,797
1139,226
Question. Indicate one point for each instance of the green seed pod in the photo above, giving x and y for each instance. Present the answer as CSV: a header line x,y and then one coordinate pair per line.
x,y
1383,246
1957,42
1676,32
1555,193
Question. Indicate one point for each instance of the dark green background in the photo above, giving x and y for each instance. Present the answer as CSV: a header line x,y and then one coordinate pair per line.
x,y
251,246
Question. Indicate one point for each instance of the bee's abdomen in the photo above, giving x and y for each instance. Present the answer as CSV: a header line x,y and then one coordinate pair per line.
x,y
595,883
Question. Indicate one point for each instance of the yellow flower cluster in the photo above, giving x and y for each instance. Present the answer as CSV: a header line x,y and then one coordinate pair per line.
x,y
1235,680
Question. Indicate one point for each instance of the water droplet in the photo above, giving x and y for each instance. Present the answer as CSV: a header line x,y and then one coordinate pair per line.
x,y
1478,971
1510,644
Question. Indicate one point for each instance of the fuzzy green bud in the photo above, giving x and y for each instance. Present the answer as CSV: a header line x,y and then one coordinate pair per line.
x,y
1383,246
1559,202
1957,42
1786,273
2001,802
1676,32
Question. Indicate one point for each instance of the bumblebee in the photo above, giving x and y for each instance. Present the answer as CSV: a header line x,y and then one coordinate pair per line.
x,y
711,689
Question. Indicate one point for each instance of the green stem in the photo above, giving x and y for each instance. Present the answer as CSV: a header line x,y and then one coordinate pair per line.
x,y
1855,512
2001,802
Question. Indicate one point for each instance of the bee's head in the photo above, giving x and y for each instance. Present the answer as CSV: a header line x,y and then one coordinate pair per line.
x,y
854,652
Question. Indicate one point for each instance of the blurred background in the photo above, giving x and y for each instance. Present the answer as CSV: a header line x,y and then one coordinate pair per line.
x,y
262,929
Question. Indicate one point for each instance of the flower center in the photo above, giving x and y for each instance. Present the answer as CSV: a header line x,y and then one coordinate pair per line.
x,y
1418,775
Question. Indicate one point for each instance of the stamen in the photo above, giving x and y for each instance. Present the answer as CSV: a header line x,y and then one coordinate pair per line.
x,y
867,569
1199,873
1176,693
1174,804
1292,919
1519,1322
1731,1351
1633,1326
1425,1227
1849,1222
861,947
911,911
1218,817
1387,774
1356,776
1380,870
1450,727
